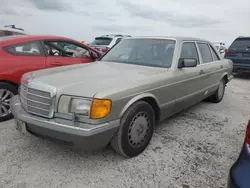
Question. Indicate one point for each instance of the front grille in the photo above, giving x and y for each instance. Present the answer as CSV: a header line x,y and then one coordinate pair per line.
x,y
36,101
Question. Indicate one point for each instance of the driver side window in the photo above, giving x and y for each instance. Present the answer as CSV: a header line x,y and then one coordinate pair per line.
x,y
65,49
189,51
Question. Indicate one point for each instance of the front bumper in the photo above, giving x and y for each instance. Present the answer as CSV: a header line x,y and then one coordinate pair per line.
x,y
86,136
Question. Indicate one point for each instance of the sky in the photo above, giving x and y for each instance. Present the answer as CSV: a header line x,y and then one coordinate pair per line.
x,y
213,20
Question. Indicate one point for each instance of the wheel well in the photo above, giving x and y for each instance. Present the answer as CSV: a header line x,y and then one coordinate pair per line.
x,y
9,82
152,102
226,78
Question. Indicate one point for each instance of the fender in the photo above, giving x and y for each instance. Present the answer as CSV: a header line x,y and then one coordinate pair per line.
x,y
10,79
137,98
223,75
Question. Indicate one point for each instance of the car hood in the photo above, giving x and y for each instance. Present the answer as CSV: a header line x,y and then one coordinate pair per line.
x,y
90,79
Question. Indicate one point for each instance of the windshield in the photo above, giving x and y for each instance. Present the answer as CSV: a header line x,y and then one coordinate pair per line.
x,y
146,52
101,41
241,43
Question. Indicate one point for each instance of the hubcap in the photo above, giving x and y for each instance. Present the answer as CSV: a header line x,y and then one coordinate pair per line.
x,y
5,96
221,89
138,130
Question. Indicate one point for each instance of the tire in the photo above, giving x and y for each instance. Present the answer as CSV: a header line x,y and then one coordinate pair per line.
x,y
6,92
219,94
138,122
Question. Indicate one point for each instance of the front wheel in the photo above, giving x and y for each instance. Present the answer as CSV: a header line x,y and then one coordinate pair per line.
x,y
219,94
7,91
135,131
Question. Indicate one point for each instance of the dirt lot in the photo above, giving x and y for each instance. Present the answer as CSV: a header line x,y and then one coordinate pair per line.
x,y
192,149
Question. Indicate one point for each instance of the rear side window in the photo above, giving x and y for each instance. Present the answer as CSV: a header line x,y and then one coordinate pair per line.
x,y
25,49
101,41
205,52
5,33
215,55
189,51
241,43
16,33
2,33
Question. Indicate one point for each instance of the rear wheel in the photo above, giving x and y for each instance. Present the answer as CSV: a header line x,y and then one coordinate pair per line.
x,y
7,91
135,131
219,94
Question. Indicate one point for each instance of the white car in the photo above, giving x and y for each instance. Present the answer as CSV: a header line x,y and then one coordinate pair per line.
x,y
10,30
105,42
220,47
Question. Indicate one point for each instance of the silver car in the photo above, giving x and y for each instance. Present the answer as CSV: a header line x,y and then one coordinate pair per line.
x,y
120,99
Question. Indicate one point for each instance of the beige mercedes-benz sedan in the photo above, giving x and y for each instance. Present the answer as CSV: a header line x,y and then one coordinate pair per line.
x,y
120,98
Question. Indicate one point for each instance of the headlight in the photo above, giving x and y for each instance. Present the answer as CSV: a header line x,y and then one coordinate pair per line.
x,y
91,108
80,106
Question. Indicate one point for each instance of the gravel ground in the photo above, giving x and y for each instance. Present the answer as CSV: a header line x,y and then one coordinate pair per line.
x,y
195,148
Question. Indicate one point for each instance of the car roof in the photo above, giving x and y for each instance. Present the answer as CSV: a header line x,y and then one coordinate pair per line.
x,y
24,38
177,38
111,36
243,37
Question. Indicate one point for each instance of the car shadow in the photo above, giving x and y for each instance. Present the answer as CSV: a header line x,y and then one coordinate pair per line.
x,y
78,154
182,113
106,153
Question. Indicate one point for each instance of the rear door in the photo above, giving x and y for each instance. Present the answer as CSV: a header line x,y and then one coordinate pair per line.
x,y
63,52
211,65
22,58
239,52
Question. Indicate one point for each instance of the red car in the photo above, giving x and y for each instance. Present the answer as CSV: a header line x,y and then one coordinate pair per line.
x,y
21,54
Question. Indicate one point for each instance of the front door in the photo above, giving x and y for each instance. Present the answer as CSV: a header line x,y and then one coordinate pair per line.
x,y
61,53
189,84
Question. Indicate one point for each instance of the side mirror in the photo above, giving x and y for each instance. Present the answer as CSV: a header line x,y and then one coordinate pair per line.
x,y
93,55
187,62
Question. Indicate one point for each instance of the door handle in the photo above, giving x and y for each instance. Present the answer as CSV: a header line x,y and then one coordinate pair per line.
x,y
221,66
56,63
201,72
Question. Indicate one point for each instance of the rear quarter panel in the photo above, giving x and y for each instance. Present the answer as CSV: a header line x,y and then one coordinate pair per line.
x,y
13,67
227,67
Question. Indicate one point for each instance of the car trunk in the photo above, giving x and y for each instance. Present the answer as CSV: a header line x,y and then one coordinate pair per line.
x,y
100,43
239,51
98,47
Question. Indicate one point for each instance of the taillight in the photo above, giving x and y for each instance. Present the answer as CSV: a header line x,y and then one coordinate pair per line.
x,y
248,133
230,52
